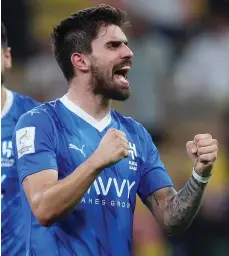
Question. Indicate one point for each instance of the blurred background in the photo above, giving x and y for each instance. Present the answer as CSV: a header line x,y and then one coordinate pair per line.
x,y
180,87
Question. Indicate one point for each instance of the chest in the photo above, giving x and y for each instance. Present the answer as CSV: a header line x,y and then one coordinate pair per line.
x,y
119,179
77,148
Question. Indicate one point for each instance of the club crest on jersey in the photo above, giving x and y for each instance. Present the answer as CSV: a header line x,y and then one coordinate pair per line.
x,y
133,154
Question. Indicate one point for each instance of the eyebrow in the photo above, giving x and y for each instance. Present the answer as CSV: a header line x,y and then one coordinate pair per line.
x,y
116,41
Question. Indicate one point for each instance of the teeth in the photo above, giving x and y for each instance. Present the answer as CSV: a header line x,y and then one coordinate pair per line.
x,y
123,68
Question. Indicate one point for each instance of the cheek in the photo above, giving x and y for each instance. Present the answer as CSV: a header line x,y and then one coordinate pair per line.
x,y
107,69
104,66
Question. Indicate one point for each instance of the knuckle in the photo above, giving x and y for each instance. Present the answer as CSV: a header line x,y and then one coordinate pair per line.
x,y
214,157
215,148
123,133
127,153
211,157
208,135
190,145
111,130
196,138
212,148
200,151
199,144
203,157
204,136
116,135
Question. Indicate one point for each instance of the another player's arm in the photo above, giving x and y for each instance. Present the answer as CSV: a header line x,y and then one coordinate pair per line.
x,y
51,198
175,211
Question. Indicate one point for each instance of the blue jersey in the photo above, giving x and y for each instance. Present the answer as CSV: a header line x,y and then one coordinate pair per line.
x,y
13,242
60,136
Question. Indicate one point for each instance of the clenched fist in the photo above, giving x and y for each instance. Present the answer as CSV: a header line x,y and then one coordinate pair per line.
x,y
203,152
113,147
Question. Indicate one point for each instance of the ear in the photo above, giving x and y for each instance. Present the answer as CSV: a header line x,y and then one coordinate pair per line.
x,y
8,58
80,62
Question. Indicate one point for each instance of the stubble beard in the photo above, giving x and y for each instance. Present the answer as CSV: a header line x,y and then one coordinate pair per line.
x,y
103,84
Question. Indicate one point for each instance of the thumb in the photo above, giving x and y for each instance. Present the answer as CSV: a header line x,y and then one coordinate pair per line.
x,y
191,147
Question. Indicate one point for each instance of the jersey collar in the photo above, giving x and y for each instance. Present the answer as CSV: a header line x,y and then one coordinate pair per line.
x,y
8,103
99,125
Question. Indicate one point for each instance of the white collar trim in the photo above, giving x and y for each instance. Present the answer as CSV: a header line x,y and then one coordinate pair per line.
x,y
8,103
99,125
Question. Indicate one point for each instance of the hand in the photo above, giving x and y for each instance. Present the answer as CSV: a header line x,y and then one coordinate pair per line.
x,y
113,147
203,152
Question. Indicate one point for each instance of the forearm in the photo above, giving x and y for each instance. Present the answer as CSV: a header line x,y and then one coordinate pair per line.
x,y
181,209
59,198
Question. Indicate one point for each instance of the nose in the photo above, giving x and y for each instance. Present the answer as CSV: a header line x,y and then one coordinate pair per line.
x,y
126,53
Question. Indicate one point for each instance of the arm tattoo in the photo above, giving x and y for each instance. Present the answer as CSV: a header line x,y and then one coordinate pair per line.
x,y
181,209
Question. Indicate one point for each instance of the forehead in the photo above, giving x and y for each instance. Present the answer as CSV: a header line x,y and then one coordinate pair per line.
x,y
110,33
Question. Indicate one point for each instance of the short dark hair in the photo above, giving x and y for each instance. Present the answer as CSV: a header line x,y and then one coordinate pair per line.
x,y
76,33
4,36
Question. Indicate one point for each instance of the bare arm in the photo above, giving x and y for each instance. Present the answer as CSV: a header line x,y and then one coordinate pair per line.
x,y
176,211
51,198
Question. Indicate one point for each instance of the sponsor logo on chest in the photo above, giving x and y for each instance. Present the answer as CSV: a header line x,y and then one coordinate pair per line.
x,y
113,192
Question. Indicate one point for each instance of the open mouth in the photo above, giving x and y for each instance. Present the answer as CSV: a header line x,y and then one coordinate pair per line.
x,y
122,72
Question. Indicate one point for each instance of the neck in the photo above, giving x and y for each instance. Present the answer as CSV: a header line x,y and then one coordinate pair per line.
x,y
82,95
3,96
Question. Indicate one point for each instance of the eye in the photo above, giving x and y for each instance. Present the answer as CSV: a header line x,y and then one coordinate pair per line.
x,y
114,45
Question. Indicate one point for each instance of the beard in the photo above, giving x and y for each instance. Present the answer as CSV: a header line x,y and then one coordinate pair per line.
x,y
103,84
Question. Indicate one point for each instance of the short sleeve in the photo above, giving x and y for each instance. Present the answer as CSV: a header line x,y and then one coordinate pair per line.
x,y
153,175
34,143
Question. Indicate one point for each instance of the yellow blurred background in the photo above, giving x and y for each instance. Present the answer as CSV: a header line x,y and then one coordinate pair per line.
x,y
180,87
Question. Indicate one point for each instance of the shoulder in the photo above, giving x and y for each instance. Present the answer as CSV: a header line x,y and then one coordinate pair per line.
x,y
131,125
35,127
25,103
39,116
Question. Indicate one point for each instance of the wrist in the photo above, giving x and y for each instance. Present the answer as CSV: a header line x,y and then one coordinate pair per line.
x,y
97,162
200,177
203,171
